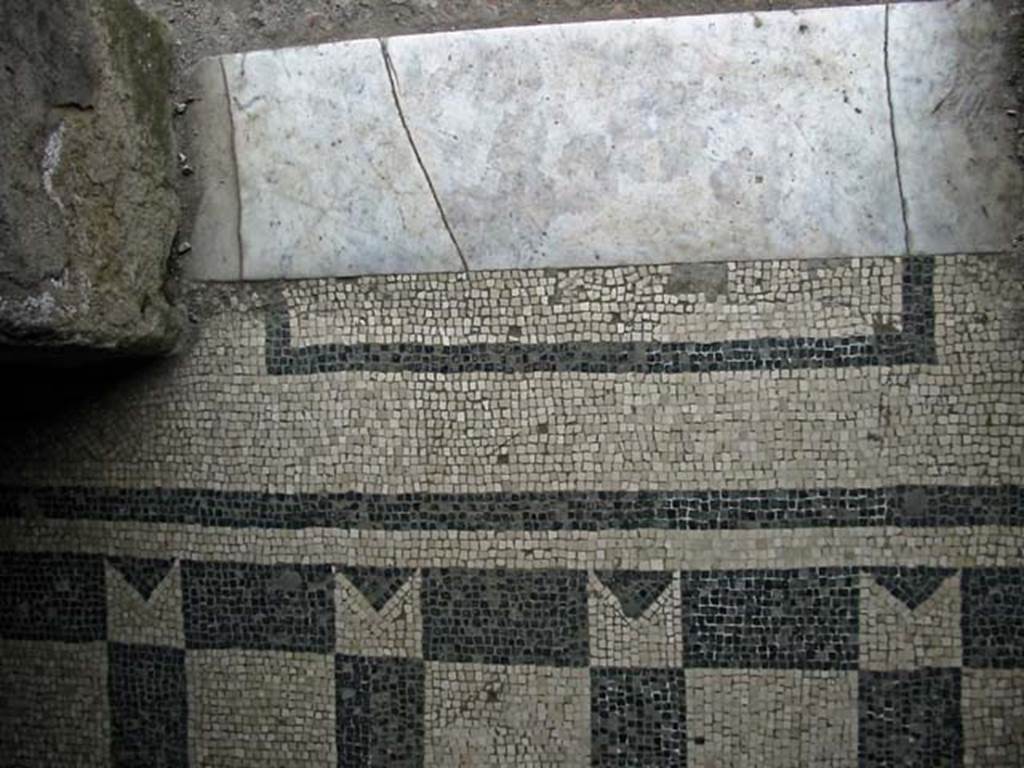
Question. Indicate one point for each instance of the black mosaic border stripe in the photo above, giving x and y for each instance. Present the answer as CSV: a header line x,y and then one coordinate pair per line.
x,y
904,506
913,343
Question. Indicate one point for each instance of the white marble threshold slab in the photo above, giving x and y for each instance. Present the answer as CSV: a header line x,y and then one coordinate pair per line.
x,y
950,66
702,138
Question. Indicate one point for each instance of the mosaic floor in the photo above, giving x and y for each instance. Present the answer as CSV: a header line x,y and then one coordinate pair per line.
x,y
740,514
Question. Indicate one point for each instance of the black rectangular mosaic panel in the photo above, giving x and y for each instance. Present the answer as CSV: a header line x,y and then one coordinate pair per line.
x,y
505,617
910,718
637,718
912,343
52,596
798,619
148,706
273,607
992,624
907,506
379,716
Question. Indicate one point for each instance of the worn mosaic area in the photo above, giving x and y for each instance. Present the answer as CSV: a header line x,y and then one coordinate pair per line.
x,y
736,515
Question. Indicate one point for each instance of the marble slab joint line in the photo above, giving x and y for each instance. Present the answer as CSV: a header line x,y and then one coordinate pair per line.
x,y
393,82
892,132
234,159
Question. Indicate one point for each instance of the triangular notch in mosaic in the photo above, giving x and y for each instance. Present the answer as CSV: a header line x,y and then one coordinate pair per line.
x,y
144,575
911,586
377,585
636,590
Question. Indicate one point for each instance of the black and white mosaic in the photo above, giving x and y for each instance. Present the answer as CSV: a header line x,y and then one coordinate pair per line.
x,y
686,510
143,574
764,515
636,590
912,586
801,626
378,585
913,342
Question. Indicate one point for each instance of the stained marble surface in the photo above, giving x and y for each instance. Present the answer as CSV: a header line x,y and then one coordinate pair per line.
x,y
722,137
950,66
736,136
328,182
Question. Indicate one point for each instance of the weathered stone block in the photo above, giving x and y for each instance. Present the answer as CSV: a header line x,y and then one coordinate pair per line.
x,y
88,210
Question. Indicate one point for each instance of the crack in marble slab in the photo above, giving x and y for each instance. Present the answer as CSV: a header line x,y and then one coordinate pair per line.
x,y
393,81
892,131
